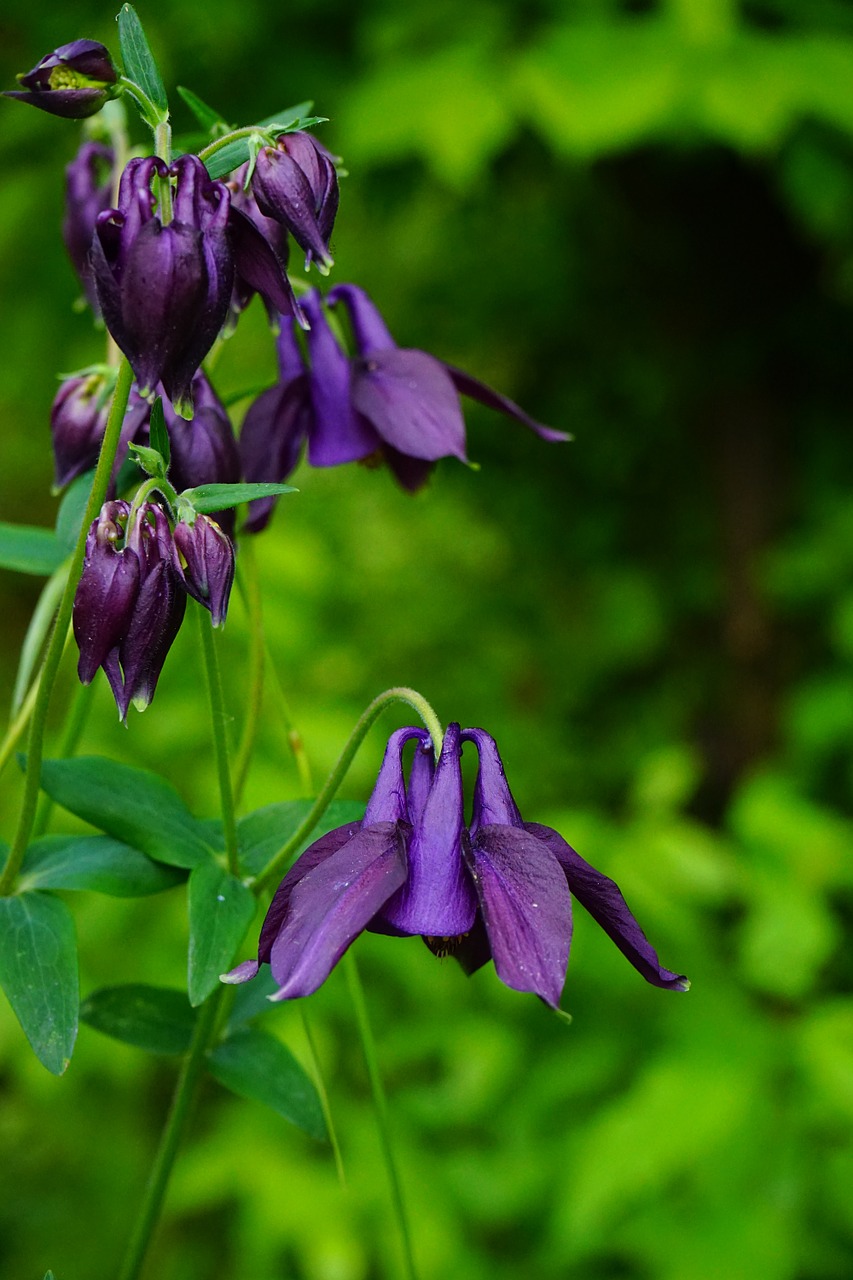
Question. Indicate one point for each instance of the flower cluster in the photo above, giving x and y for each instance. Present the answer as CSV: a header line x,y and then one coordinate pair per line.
x,y
132,595
498,888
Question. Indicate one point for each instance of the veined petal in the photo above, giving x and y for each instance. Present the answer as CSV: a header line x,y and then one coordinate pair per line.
x,y
438,898
470,386
389,802
526,909
603,900
316,853
410,401
338,433
330,906
493,802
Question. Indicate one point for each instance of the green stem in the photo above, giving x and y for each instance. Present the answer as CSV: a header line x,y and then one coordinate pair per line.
x,y
18,726
381,1108
219,726
152,1204
324,1097
60,630
247,579
163,148
278,862
75,724
218,144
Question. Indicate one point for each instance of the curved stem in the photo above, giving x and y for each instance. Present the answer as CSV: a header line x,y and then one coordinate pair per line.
x,y
219,725
60,629
418,703
248,131
381,1108
170,1139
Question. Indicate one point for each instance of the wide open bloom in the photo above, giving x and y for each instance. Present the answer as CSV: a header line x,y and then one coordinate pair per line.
x,y
499,889
382,403
164,288
74,80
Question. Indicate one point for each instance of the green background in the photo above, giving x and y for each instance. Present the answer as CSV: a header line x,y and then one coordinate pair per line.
x,y
637,220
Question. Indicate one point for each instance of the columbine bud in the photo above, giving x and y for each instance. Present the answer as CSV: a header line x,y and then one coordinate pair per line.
x,y
74,81
260,257
164,290
204,450
88,187
209,569
296,184
78,417
106,593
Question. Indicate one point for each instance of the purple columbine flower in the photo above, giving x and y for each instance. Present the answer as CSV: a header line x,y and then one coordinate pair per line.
x,y
401,406
164,289
260,257
74,81
208,555
295,183
130,601
88,192
78,418
498,890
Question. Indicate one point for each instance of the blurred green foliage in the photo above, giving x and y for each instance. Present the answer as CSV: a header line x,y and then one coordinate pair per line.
x,y
636,219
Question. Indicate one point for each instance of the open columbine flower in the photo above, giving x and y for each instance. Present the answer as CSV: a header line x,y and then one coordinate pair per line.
x,y
74,80
498,890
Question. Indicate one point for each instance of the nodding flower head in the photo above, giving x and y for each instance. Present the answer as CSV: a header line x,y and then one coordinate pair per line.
x,y
499,889
74,80
164,287
296,184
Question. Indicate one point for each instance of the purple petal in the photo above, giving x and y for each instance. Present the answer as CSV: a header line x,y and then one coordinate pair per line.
x,y
242,973
274,430
332,904
438,898
156,620
103,603
283,192
472,951
260,266
526,909
316,853
603,900
369,329
71,104
389,802
338,434
470,386
409,399
410,473
493,802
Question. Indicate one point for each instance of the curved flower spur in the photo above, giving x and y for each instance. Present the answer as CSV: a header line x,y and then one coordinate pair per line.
x,y
499,889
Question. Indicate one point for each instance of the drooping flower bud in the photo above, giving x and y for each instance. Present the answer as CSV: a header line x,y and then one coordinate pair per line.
x,y
260,257
88,187
208,553
296,183
164,290
78,417
106,593
74,80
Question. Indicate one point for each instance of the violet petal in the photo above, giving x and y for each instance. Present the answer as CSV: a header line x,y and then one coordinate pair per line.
x,y
410,401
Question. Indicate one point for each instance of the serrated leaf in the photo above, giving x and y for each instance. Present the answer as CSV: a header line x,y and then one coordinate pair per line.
x,y
256,1065
133,805
208,117
221,909
158,433
40,624
26,548
158,1019
72,508
38,972
98,863
215,497
261,834
139,64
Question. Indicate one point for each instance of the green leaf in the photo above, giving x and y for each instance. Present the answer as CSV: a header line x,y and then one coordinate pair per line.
x,y
221,909
236,153
98,863
72,508
208,117
256,1065
139,64
214,497
158,433
154,1018
150,460
40,624
133,805
287,118
261,834
27,549
38,972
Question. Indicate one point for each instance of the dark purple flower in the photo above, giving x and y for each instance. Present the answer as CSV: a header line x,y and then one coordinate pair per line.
x,y
74,81
295,183
384,402
164,290
130,601
260,257
499,890
78,419
88,192
208,555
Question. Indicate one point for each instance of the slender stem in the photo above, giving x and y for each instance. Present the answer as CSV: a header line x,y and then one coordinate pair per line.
x,y
419,704
76,723
324,1097
18,726
170,1139
219,726
163,148
247,578
248,131
60,630
381,1108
